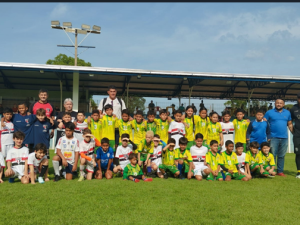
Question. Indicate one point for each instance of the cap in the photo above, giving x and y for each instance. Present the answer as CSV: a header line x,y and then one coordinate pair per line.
x,y
298,95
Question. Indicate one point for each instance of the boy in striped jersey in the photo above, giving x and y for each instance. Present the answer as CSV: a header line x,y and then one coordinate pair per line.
x,y
81,124
156,156
241,156
227,129
7,132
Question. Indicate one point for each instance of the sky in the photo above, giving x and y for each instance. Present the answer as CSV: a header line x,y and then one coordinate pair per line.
x,y
248,38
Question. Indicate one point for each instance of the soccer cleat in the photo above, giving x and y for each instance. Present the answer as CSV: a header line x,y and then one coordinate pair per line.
x,y
56,178
136,180
271,175
281,174
148,180
150,174
11,180
165,176
298,175
181,177
81,178
41,180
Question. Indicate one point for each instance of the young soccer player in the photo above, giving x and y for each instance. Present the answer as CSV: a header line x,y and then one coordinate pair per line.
x,y
168,162
258,130
177,128
240,128
124,124
150,124
86,151
17,159
267,158
184,159
254,161
214,162
94,124
139,128
145,149
123,152
2,166
7,132
189,123
227,129
105,155
162,125
156,156
38,162
80,125
230,164
41,128
66,118
133,172
198,153
214,130
108,122
201,124
241,156
67,151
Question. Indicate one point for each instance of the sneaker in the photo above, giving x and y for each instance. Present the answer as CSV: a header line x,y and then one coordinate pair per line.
x,y
165,176
41,180
298,175
81,178
64,174
281,174
136,180
181,177
11,180
271,175
148,180
56,178
150,175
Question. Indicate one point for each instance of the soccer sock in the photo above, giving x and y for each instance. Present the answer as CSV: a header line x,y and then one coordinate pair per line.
x,y
298,162
81,170
180,168
149,169
133,179
55,167
43,170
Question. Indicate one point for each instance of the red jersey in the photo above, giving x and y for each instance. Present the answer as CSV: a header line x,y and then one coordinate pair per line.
x,y
47,106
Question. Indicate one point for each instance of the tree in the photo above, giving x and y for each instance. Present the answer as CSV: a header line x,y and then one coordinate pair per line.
x,y
63,59
133,102
93,104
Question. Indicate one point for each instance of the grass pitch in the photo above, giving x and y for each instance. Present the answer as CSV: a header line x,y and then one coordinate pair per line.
x,y
172,201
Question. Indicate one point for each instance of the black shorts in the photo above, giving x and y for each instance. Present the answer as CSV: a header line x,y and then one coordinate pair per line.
x,y
117,136
136,177
296,141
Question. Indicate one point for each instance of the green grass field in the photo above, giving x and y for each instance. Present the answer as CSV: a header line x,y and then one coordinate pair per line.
x,y
172,201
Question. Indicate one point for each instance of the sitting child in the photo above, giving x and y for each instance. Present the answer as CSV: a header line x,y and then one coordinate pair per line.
x,y
184,159
123,152
214,161
156,156
105,155
133,172
241,156
168,162
87,158
230,163
38,163
254,162
267,159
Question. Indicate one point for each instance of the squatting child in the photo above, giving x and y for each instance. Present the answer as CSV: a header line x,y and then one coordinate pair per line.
x,y
214,162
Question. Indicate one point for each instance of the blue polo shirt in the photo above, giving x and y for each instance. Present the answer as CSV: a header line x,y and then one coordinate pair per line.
x,y
258,131
278,122
104,157
24,124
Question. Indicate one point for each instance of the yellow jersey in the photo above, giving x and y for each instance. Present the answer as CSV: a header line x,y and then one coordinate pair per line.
x,y
139,131
251,159
213,160
213,132
108,127
181,155
124,128
162,128
168,157
189,131
267,160
230,161
145,148
240,130
201,126
96,128
150,126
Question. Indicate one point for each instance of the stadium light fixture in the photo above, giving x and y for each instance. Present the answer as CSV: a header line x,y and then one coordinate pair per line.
x,y
41,71
91,75
185,78
85,27
55,23
96,28
139,76
67,24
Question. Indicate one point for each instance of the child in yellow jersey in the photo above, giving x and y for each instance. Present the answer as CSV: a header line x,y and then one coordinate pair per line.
x,y
145,149
124,125
214,130
139,129
230,163
184,159
150,123
168,162
189,124
108,126
162,125
267,159
240,128
253,161
94,124
201,124
214,162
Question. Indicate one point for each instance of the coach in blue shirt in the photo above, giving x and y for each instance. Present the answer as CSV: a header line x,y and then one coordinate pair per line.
x,y
279,118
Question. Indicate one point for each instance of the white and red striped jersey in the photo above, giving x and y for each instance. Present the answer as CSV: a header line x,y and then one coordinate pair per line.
x,y
87,148
7,133
156,157
68,147
228,131
198,155
123,153
177,130
32,160
79,130
241,159
17,157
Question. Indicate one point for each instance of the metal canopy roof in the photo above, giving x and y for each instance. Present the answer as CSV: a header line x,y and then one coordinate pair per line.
x,y
153,83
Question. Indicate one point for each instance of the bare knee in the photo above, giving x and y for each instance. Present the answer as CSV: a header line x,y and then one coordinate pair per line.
x,y
198,177
45,162
56,158
228,178
82,161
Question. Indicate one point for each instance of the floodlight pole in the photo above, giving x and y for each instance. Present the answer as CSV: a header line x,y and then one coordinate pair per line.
x,y
76,47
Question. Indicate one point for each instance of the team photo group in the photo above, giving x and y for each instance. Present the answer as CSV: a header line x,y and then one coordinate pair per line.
x,y
111,143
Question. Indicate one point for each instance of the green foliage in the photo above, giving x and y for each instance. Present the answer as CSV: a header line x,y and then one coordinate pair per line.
x,y
288,106
133,102
63,59
236,103
171,201
93,104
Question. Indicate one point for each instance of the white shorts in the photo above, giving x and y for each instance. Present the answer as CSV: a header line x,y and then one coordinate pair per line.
x,y
157,163
242,170
124,165
199,171
18,174
5,148
89,167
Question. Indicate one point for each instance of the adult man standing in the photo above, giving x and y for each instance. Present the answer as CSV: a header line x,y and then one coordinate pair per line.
x,y
43,103
295,113
194,108
279,118
118,105
151,106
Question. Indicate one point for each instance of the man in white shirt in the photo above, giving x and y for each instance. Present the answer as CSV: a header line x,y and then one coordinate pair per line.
x,y
118,105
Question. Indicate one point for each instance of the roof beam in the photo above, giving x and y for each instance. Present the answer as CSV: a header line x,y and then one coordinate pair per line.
x,y
178,90
194,82
6,81
230,92
255,84
279,94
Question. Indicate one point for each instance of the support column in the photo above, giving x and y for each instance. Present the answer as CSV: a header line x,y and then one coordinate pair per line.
x,y
87,100
190,94
127,95
75,90
61,104
249,97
